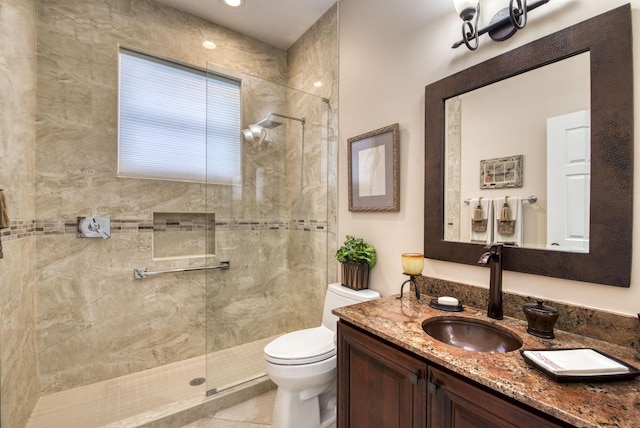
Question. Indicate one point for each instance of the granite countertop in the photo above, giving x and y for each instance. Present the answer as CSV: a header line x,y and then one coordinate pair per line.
x,y
597,404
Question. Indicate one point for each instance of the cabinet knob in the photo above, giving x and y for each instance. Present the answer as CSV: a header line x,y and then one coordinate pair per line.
x,y
432,388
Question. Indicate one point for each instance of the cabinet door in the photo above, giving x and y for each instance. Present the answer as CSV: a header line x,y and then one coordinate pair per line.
x,y
378,385
457,403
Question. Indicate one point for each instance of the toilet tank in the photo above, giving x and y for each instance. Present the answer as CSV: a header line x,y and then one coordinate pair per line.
x,y
339,296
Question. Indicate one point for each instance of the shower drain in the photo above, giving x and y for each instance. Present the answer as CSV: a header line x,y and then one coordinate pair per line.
x,y
197,381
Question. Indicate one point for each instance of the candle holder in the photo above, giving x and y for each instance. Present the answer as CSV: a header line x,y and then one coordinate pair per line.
x,y
411,280
412,265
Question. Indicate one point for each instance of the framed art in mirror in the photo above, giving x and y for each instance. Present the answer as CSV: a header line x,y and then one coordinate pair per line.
x,y
501,172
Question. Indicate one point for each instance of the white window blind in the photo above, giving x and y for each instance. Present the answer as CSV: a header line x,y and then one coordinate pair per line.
x,y
177,122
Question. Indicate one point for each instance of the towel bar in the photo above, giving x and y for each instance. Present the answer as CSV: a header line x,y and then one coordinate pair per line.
x,y
142,273
531,199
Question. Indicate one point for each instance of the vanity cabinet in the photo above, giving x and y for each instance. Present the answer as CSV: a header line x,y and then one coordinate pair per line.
x,y
456,403
378,385
382,386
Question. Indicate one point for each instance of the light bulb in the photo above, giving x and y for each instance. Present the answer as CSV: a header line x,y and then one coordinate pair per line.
x,y
234,3
466,8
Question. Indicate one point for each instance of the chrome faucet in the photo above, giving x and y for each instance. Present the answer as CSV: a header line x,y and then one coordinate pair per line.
x,y
493,259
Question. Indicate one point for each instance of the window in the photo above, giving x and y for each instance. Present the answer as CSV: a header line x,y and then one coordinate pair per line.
x,y
177,122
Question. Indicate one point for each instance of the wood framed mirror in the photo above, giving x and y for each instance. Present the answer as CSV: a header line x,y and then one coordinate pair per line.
x,y
608,39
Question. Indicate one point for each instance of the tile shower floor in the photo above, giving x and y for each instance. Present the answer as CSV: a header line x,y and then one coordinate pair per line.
x,y
106,402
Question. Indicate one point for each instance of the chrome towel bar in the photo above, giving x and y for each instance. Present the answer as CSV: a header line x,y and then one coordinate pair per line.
x,y
142,273
531,199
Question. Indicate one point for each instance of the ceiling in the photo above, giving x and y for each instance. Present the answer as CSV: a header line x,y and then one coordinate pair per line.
x,y
281,22
277,22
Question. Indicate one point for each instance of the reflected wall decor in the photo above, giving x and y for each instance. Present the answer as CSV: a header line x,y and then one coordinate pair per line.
x,y
501,172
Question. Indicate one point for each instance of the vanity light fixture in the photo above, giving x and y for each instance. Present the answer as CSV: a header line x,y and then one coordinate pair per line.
x,y
468,10
503,25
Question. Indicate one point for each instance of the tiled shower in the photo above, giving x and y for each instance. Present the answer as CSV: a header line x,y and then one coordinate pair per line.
x,y
80,316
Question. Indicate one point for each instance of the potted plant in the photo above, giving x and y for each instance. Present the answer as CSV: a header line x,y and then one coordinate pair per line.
x,y
357,257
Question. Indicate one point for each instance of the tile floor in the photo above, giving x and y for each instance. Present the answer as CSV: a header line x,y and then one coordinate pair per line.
x,y
254,413
113,400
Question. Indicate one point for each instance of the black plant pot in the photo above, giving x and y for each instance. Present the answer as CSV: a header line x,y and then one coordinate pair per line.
x,y
355,275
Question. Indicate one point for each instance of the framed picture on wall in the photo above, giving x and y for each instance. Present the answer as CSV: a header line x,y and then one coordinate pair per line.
x,y
374,170
501,172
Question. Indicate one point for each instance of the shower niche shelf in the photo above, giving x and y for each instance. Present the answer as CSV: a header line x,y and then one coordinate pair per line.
x,y
183,235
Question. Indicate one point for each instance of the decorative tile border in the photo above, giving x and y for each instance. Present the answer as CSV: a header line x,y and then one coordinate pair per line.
x,y
23,228
18,229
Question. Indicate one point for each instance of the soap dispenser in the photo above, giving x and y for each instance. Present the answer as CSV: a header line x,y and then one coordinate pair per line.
x,y
541,319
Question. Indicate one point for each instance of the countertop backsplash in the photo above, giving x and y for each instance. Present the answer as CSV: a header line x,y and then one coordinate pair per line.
x,y
614,328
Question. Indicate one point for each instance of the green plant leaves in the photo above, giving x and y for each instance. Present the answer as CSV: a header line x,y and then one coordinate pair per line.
x,y
355,250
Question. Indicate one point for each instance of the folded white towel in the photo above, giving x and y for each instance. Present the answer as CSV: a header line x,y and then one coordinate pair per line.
x,y
485,237
516,214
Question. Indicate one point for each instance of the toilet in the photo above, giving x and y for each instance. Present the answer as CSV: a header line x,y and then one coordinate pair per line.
x,y
303,366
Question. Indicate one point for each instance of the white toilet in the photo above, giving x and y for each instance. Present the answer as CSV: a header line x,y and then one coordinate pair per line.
x,y
303,365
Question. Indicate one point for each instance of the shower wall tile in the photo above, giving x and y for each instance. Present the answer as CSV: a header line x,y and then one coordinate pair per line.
x,y
19,390
19,359
318,47
246,303
94,320
306,281
313,59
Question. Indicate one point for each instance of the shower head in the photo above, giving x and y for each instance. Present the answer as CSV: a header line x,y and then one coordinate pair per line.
x,y
255,134
269,123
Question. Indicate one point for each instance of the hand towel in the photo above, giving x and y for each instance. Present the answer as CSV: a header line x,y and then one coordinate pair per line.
x,y
515,205
4,215
4,218
485,237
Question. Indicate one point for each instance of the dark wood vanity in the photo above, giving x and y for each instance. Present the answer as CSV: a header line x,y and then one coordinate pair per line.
x,y
392,374
379,385
383,386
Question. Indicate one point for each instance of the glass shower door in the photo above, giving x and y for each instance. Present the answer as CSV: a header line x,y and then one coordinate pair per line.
x,y
271,224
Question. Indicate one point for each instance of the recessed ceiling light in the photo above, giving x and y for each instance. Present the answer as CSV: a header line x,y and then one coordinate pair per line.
x,y
318,84
208,44
234,3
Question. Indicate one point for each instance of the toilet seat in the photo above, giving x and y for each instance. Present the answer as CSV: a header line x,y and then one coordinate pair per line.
x,y
301,347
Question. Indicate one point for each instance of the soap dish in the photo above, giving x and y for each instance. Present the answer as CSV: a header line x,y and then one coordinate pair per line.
x,y
449,308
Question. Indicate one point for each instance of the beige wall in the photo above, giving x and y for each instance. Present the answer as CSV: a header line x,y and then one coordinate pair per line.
x,y
385,63
18,357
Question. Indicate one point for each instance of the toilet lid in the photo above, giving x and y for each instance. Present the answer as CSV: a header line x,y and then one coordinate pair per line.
x,y
301,347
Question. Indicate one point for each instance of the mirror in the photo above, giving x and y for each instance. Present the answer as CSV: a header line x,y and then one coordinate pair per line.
x,y
477,134
608,260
